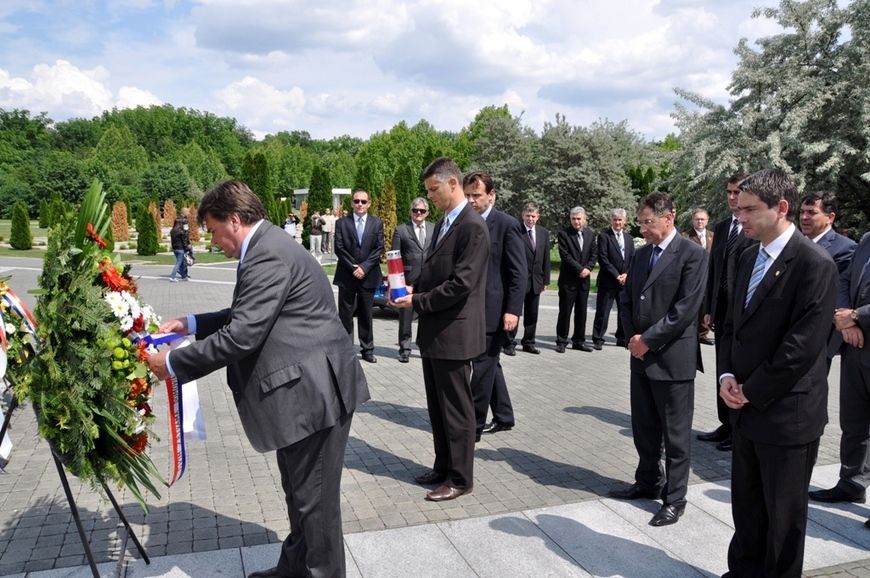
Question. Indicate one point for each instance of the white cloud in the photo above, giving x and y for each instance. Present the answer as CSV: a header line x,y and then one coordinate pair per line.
x,y
131,97
261,104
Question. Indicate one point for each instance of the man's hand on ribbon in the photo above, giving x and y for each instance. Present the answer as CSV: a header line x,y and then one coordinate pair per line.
x,y
178,325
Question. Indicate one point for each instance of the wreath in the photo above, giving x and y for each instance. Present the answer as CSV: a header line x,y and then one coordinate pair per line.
x,y
88,382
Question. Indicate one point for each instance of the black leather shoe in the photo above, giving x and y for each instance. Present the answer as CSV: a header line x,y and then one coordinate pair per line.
x,y
495,427
509,350
270,573
531,349
560,348
369,357
837,494
669,514
444,493
717,435
598,346
867,524
404,357
430,477
634,492
724,445
582,347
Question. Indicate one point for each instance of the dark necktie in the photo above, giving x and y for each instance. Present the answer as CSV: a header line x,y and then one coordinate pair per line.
x,y
732,235
654,258
532,239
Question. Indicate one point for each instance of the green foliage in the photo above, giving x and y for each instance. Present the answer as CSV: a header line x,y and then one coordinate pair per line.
x,y
255,174
20,237
13,190
320,190
387,210
166,179
146,226
44,216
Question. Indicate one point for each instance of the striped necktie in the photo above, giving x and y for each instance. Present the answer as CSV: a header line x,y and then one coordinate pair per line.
x,y
757,275
732,235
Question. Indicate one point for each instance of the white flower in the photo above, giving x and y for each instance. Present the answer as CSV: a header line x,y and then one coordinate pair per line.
x,y
126,323
10,329
118,304
133,303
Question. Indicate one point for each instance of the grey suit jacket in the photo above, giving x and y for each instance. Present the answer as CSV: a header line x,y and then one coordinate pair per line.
x,y
405,240
855,292
662,305
290,364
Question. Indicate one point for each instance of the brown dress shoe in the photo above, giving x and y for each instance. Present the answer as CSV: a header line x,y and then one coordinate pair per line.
x,y
444,493
430,477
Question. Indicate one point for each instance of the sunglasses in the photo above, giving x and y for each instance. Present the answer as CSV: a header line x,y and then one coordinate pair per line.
x,y
419,211
360,202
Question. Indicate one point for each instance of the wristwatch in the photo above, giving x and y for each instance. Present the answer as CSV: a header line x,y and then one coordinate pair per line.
x,y
854,315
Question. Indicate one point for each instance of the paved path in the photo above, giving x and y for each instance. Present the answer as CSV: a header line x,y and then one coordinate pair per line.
x,y
538,488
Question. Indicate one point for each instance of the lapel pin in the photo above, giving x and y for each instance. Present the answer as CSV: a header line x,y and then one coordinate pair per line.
x,y
777,273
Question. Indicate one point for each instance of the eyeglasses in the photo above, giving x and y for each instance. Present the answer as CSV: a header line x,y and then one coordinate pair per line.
x,y
419,211
360,202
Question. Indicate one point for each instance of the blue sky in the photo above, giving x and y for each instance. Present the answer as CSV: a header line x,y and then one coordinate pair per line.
x,y
355,67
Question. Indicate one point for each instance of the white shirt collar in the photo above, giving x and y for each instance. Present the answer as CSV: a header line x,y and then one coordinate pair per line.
x,y
777,245
664,244
819,238
486,213
248,239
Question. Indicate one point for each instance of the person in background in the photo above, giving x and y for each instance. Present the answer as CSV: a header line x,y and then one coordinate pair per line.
x,y
615,251
700,235
536,240
328,231
578,253
179,238
315,237
290,225
412,238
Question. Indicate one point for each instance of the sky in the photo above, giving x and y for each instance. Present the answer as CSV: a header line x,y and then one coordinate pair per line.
x,y
356,67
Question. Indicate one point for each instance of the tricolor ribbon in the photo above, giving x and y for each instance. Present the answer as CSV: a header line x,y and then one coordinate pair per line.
x,y
15,303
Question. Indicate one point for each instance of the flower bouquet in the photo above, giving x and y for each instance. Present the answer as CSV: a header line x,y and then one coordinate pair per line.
x,y
88,382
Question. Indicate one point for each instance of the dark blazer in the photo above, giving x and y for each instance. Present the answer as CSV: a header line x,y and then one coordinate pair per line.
x,y
855,292
537,260
506,277
840,248
662,305
692,235
350,252
291,367
450,294
723,261
405,240
611,261
573,259
775,346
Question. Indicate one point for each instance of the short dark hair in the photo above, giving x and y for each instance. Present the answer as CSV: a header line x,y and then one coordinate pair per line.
x,y
479,177
442,169
230,197
531,207
772,186
828,199
355,191
660,203
738,178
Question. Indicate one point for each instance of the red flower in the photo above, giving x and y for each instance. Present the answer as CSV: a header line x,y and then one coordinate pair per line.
x,y
139,323
143,353
138,443
114,280
92,233
146,407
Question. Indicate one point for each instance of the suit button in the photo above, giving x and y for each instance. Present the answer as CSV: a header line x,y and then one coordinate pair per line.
x,y
642,297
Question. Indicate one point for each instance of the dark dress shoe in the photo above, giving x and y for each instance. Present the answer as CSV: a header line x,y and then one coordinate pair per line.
x,y
531,349
717,435
444,493
369,357
867,524
634,492
669,514
582,347
495,427
430,477
598,346
404,357
510,351
560,348
724,445
837,494
270,573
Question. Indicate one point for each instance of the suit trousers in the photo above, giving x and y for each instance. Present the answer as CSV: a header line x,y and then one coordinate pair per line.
x,y
488,385
769,504
603,303
361,300
531,303
451,413
722,411
854,422
572,297
405,318
662,411
311,478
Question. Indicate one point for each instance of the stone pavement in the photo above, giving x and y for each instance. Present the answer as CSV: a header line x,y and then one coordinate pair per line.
x,y
537,496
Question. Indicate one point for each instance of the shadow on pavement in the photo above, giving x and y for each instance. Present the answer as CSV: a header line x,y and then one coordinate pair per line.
x,y
605,415
551,473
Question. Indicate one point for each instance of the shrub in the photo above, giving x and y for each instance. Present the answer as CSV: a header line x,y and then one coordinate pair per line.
x,y
147,227
20,238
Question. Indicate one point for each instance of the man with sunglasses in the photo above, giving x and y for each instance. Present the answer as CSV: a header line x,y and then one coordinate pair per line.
x,y
359,243
412,239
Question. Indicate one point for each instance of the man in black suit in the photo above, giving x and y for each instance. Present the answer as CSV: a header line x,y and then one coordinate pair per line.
x,y
729,242
701,235
359,243
412,239
505,288
536,240
661,298
852,323
295,378
615,250
774,378
578,253
449,300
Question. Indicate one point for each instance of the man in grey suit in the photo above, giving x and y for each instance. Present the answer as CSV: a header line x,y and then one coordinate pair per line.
x,y
290,365
662,298
412,239
449,300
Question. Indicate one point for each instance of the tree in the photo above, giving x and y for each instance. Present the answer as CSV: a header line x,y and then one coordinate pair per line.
x,y
118,161
20,237
798,102
320,190
387,210
120,230
169,213
13,190
146,226
155,215
255,174
203,166
166,179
